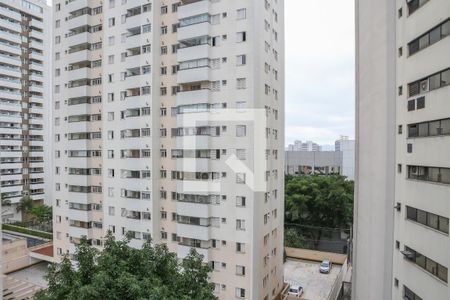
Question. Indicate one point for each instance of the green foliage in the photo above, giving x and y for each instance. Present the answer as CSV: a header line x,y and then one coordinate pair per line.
x,y
37,233
25,205
42,213
324,201
317,201
121,272
293,238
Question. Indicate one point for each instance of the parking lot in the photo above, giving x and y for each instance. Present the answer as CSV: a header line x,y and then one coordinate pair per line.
x,y
316,286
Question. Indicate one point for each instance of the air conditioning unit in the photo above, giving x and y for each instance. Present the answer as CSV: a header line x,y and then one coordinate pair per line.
x,y
424,86
415,171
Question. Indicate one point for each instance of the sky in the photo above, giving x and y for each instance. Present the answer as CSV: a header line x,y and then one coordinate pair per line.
x,y
319,70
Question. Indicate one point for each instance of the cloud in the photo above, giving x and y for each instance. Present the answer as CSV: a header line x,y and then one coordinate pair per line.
x,y
319,70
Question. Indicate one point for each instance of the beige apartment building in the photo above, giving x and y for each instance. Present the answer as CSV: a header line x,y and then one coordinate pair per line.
x,y
24,99
402,246
169,124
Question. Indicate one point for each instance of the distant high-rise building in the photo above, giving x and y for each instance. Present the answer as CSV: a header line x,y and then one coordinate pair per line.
x,y
299,162
401,224
338,143
25,33
304,146
144,138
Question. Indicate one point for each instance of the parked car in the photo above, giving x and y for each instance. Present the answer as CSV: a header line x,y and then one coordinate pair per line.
x,y
295,290
325,267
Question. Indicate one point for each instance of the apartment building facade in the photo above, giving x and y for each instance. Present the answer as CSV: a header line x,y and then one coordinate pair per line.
x,y
401,209
422,185
24,103
155,132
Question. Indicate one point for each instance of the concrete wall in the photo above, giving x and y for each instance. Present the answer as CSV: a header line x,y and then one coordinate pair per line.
x,y
375,148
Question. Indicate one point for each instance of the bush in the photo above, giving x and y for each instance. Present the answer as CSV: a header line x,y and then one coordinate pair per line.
x,y
37,233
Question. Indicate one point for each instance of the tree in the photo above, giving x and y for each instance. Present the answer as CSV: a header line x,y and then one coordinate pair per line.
x,y
25,205
122,272
293,238
42,213
319,201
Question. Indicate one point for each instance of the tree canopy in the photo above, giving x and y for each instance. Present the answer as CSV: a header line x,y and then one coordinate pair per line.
x,y
121,272
25,205
316,202
42,213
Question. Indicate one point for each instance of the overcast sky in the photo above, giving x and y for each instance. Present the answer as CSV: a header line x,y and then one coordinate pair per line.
x,y
319,70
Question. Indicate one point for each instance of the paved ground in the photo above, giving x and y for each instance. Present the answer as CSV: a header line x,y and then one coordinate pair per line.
x,y
316,286
34,274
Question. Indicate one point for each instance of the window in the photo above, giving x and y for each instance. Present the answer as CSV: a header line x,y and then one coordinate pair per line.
x,y
241,60
240,201
428,219
241,83
240,247
241,14
240,270
431,128
241,154
429,83
215,19
432,174
426,263
414,5
240,178
147,7
146,28
164,10
241,37
408,294
241,130
429,38
240,293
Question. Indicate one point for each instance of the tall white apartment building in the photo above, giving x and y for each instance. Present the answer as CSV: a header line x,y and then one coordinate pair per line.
x,y
157,133
24,99
402,246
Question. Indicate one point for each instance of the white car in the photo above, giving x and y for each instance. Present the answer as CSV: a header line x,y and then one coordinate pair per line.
x,y
295,290
325,267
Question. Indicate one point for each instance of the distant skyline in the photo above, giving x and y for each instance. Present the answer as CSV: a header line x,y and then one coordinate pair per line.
x,y
319,70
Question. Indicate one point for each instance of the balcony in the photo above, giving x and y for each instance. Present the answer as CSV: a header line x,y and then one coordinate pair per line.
x,y
194,231
193,209
9,25
77,4
37,34
192,31
192,53
183,251
82,215
11,14
37,24
74,57
79,38
193,8
78,21
79,73
193,97
193,75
